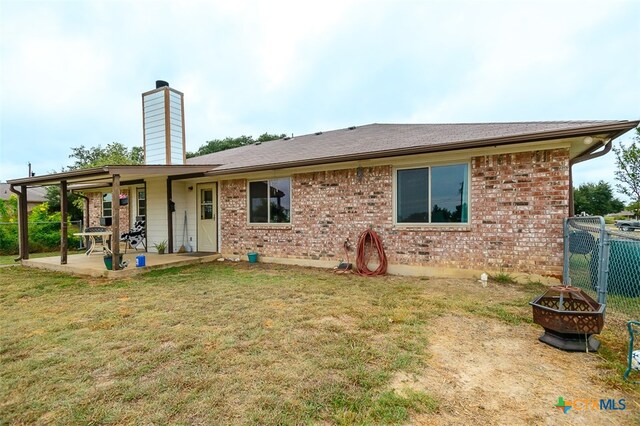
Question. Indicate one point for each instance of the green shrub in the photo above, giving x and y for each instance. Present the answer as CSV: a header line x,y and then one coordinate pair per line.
x,y
8,239
9,226
44,229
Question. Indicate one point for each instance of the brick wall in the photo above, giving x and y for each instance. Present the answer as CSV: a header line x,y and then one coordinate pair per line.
x,y
95,210
518,202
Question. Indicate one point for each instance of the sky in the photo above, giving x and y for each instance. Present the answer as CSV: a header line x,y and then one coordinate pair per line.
x,y
72,72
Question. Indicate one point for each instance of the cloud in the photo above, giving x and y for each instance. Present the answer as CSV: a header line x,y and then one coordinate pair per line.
x,y
73,72
520,53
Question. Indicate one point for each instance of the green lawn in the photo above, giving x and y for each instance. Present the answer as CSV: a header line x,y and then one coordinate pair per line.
x,y
10,259
225,344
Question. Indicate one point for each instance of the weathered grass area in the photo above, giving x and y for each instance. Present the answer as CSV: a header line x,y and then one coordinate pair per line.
x,y
225,344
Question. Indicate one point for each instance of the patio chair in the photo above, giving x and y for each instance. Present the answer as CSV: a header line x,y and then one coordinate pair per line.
x,y
135,236
98,240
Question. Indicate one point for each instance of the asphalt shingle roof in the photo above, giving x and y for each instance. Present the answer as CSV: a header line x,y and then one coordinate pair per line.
x,y
380,140
36,195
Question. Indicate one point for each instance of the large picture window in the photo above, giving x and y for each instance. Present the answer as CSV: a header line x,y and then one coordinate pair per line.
x,y
438,194
270,201
107,205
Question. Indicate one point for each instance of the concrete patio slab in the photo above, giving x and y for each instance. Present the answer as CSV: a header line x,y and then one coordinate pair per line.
x,y
93,265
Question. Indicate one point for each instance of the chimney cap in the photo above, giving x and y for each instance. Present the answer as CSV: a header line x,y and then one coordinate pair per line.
x,y
161,83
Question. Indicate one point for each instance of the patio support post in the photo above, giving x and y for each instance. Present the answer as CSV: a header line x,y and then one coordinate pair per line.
x,y
115,222
170,210
63,222
146,238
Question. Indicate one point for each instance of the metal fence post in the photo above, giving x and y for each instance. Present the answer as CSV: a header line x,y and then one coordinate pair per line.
x,y
603,267
566,279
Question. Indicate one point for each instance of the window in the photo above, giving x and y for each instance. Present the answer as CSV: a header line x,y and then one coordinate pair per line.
x,y
142,202
107,205
438,194
270,201
206,204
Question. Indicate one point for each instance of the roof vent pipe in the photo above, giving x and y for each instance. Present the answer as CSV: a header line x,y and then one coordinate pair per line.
x,y
161,83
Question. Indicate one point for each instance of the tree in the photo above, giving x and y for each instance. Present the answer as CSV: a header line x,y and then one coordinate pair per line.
x,y
113,154
596,199
74,202
217,145
628,173
634,207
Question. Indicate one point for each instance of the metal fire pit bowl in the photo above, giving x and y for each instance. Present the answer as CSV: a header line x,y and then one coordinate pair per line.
x,y
569,318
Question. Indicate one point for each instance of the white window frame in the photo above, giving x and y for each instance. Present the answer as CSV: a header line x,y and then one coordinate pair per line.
x,y
429,223
102,204
269,223
138,190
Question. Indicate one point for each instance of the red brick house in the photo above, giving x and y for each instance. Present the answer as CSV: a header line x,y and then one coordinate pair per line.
x,y
444,198
493,196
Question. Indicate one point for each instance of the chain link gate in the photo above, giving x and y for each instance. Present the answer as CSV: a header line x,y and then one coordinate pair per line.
x,y
604,263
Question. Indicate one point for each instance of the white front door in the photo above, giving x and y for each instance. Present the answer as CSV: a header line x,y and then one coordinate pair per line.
x,y
207,226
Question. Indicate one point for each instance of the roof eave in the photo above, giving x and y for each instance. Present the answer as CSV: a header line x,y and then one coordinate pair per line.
x,y
45,179
614,130
77,176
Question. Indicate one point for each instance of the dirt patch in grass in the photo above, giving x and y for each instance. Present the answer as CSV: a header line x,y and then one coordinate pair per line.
x,y
502,374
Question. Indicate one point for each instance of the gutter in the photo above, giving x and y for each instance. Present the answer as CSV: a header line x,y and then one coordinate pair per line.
x,y
101,171
14,190
590,154
105,172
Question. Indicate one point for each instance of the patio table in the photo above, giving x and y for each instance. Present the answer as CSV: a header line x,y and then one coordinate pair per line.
x,y
92,240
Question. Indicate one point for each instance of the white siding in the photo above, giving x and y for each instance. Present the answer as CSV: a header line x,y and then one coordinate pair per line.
x,y
192,210
155,130
175,121
179,197
185,200
156,212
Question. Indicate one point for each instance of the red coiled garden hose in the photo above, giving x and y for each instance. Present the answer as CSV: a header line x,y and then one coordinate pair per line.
x,y
362,257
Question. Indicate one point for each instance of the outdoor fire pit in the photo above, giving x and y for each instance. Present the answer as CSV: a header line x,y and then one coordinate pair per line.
x,y
569,317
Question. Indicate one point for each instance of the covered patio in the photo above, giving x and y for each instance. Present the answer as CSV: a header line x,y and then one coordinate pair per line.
x,y
93,265
112,177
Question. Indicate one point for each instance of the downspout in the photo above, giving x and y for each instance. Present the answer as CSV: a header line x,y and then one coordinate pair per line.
x,y
589,155
23,240
85,210
85,215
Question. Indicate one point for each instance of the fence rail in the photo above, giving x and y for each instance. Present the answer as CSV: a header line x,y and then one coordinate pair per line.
x,y
604,263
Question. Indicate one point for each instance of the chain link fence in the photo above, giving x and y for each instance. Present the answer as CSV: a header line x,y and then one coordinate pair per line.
x,y
603,262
